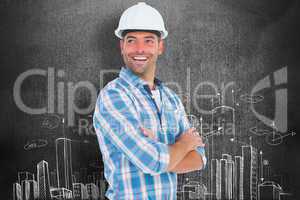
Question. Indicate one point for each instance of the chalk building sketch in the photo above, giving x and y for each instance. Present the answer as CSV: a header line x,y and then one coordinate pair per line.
x,y
64,163
62,182
236,178
240,176
250,172
228,176
43,180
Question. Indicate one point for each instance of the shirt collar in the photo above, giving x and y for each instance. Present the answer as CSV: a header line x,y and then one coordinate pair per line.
x,y
135,80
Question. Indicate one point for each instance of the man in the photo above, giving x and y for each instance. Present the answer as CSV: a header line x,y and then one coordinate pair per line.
x,y
142,129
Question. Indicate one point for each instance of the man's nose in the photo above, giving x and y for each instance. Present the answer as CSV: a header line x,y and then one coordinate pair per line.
x,y
140,47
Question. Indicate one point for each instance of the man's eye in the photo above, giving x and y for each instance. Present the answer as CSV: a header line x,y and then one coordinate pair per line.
x,y
130,41
149,41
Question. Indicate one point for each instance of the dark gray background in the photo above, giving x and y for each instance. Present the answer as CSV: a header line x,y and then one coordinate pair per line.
x,y
220,41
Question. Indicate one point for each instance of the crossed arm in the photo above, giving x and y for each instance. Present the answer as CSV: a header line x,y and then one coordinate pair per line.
x,y
191,162
116,123
183,156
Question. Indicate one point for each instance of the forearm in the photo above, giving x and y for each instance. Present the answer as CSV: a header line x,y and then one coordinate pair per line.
x,y
191,162
178,160
177,153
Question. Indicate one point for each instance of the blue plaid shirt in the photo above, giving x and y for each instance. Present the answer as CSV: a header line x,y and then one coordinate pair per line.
x,y
135,166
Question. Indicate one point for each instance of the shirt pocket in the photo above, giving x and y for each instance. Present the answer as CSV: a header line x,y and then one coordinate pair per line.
x,y
149,119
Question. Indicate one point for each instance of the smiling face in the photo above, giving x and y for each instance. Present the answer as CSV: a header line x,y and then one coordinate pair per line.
x,y
140,51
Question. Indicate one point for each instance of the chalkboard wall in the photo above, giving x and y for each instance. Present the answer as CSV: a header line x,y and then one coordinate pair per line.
x,y
233,63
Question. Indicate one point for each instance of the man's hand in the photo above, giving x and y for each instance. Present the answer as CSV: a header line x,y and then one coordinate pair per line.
x,y
182,150
148,133
191,138
192,160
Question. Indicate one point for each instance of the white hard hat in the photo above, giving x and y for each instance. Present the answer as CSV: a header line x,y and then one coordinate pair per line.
x,y
141,17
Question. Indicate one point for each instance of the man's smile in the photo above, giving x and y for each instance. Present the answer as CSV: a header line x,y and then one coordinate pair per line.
x,y
140,58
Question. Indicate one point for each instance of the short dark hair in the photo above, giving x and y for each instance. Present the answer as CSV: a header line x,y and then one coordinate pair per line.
x,y
138,30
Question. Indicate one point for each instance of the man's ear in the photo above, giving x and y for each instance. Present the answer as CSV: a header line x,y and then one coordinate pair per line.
x,y
161,46
121,46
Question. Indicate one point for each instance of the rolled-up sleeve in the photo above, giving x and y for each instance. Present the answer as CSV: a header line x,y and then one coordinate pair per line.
x,y
184,125
116,118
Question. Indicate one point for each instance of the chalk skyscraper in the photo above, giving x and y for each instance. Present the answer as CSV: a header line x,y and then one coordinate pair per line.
x,y
250,174
64,163
43,181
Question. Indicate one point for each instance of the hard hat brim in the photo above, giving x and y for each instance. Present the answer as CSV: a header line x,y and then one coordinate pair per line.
x,y
163,33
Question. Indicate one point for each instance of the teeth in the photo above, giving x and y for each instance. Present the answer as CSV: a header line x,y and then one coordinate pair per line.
x,y
139,58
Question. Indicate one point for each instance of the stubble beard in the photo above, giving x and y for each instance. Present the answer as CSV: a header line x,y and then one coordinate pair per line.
x,y
138,69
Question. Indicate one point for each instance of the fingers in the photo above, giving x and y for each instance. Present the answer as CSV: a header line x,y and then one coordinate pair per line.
x,y
191,130
192,138
198,141
201,143
198,138
144,131
195,133
147,132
